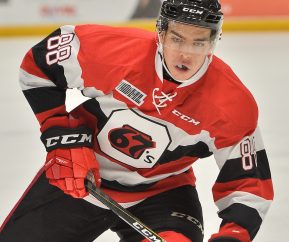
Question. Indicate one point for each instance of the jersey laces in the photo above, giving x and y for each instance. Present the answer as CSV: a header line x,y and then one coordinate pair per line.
x,y
159,101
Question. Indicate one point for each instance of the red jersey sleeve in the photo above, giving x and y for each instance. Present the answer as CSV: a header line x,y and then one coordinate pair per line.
x,y
243,190
48,69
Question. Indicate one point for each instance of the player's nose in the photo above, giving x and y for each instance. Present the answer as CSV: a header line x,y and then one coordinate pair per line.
x,y
185,58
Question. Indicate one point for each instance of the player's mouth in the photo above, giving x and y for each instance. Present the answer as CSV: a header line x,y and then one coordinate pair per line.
x,y
181,67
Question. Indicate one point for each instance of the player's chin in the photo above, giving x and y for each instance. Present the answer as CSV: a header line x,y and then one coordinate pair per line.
x,y
182,75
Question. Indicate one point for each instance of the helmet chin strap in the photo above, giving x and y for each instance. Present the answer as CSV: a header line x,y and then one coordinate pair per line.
x,y
203,68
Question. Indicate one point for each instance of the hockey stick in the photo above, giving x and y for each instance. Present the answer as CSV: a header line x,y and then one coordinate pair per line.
x,y
122,213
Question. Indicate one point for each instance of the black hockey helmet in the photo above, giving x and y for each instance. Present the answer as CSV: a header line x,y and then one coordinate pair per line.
x,y
203,13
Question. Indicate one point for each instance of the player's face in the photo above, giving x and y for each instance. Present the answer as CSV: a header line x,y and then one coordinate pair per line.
x,y
185,49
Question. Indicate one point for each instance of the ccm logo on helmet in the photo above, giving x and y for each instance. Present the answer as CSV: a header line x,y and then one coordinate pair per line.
x,y
191,10
68,139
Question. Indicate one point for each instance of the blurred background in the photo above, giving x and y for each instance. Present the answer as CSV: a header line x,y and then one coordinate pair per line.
x,y
34,17
255,44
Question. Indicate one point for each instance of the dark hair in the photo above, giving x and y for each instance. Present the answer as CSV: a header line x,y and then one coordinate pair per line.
x,y
213,34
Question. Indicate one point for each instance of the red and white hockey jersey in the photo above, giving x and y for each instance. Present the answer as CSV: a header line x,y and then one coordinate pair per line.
x,y
149,131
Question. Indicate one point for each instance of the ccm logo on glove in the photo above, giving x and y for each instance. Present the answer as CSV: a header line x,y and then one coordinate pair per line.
x,y
58,137
68,139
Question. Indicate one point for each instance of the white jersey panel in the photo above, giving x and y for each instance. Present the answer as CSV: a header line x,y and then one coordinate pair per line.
x,y
114,172
72,69
29,81
260,204
109,104
253,142
92,92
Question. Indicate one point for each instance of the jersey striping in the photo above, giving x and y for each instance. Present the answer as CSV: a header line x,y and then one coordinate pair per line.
x,y
149,131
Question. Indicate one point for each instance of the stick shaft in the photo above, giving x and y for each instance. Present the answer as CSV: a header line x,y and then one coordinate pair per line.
x,y
123,213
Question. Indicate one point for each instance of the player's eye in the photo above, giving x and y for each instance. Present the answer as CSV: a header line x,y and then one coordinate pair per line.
x,y
176,39
199,43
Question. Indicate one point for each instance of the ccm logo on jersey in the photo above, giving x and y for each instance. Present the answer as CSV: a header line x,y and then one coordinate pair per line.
x,y
185,117
68,139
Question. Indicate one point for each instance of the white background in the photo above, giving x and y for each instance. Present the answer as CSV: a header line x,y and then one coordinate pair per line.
x,y
36,12
260,60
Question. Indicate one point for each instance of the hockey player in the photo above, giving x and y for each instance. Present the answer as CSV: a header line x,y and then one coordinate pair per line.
x,y
159,102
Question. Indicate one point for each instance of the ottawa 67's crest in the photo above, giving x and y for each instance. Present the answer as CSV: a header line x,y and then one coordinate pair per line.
x,y
130,141
133,140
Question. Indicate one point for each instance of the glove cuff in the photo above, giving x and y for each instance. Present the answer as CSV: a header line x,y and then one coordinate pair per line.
x,y
60,137
231,232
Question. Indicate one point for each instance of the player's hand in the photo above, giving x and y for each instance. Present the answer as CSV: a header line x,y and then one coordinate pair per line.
x,y
67,169
70,155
